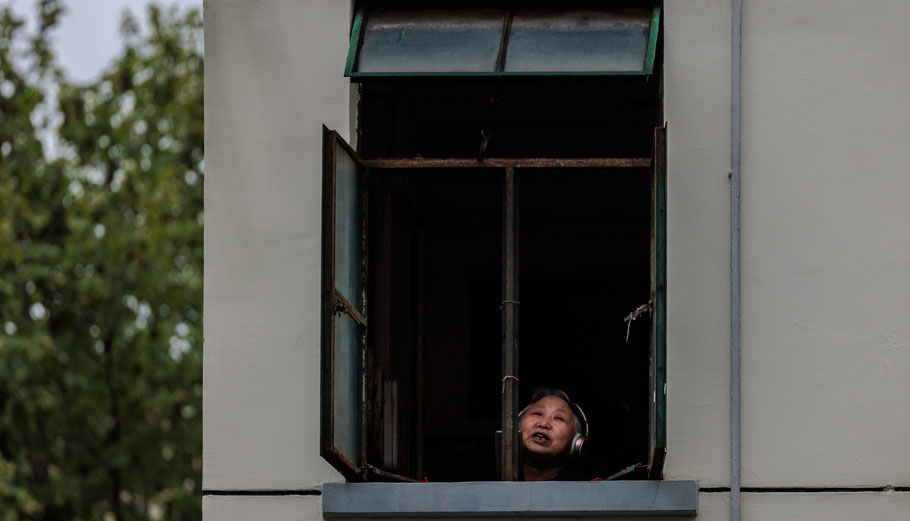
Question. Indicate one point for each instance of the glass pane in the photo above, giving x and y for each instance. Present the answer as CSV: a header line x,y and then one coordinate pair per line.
x,y
346,381
348,226
413,41
550,40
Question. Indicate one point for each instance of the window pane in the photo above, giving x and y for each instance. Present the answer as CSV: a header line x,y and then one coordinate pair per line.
x,y
414,41
550,40
348,226
346,406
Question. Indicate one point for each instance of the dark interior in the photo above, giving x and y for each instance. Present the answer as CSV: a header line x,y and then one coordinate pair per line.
x,y
585,264
435,266
538,117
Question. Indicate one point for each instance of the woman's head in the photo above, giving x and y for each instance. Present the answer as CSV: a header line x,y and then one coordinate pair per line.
x,y
549,425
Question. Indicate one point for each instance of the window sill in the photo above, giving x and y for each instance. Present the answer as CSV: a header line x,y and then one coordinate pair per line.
x,y
558,499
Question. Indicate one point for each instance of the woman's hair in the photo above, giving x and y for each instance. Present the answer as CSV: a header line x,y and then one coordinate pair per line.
x,y
542,392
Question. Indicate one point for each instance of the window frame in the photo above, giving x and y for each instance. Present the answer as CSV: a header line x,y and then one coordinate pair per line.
x,y
657,417
361,19
333,303
510,444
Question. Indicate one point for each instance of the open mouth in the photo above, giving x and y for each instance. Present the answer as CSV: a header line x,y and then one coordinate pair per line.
x,y
539,436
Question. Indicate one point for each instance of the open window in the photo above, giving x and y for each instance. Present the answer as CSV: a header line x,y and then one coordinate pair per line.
x,y
481,185
344,322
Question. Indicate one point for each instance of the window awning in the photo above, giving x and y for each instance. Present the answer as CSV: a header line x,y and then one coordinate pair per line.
x,y
496,42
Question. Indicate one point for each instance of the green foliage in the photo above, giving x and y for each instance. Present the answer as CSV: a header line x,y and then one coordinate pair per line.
x,y
101,293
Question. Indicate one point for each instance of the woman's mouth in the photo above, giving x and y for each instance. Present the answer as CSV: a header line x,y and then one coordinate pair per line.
x,y
539,436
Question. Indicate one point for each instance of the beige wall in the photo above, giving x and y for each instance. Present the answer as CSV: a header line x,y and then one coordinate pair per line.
x,y
697,109
825,249
826,255
274,75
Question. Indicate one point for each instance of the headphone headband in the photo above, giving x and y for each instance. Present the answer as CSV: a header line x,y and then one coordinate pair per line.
x,y
584,419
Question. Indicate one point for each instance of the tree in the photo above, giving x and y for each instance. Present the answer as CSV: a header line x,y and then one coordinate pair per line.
x,y
101,298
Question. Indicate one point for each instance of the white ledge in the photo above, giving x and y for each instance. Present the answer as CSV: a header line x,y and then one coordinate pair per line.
x,y
510,499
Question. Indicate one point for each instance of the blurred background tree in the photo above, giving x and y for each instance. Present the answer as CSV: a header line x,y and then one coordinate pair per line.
x,y
101,287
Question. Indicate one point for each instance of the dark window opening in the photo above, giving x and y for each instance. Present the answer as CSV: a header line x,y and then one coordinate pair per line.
x,y
542,117
435,258
435,266
584,265
436,263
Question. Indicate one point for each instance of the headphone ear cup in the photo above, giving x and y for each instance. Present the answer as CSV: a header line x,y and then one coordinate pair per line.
x,y
577,447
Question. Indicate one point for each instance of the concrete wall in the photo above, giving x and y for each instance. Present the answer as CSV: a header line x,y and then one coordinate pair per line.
x,y
274,77
826,255
697,109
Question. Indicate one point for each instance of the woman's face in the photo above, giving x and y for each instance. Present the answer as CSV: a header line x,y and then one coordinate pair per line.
x,y
547,427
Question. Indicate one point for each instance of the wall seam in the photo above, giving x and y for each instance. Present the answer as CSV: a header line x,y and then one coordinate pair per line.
x,y
269,493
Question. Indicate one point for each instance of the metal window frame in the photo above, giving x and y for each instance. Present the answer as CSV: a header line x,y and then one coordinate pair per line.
x,y
657,414
510,448
332,301
359,26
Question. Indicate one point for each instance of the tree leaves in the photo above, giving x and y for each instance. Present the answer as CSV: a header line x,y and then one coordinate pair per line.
x,y
101,299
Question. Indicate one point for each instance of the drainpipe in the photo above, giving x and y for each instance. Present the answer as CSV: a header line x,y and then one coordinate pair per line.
x,y
735,124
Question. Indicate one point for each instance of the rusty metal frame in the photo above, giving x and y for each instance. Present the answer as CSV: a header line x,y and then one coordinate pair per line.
x,y
511,440
343,305
390,476
493,162
334,302
657,414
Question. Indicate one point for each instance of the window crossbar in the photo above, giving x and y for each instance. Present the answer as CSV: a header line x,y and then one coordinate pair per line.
x,y
419,162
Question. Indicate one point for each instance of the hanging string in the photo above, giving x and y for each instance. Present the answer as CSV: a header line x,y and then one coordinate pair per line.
x,y
633,315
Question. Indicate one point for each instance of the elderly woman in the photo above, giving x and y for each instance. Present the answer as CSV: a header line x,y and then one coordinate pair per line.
x,y
553,431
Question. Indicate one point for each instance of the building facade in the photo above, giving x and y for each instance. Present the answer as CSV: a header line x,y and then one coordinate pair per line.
x,y
824,256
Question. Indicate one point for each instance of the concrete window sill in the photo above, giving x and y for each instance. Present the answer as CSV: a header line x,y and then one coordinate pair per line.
x,y
558,499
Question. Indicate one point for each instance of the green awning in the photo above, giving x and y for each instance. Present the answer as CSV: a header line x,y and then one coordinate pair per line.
x,y
495,42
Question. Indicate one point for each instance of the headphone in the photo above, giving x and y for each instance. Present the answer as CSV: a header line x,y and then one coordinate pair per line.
x,y
578,446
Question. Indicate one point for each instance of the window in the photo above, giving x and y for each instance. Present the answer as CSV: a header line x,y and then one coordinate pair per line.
x,y
484,211
503,42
